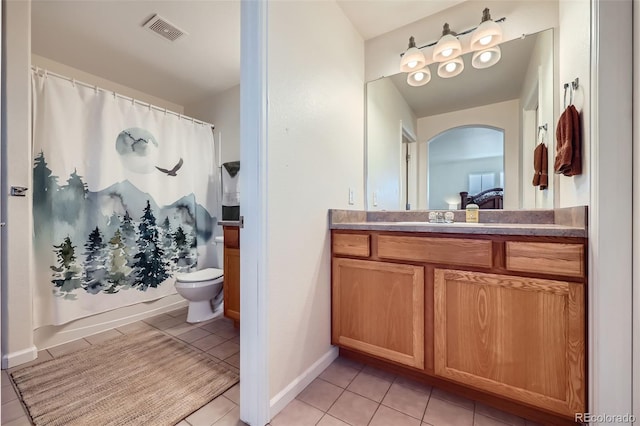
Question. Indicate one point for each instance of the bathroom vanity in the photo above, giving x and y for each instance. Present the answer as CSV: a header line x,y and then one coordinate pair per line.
x,y
232,270
493,311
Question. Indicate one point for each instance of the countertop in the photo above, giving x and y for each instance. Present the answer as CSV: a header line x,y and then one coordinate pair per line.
x,y
570,222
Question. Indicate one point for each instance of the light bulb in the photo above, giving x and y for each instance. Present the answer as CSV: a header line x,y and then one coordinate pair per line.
x,y
485,40
419,76
485,56
412,64
450,67
447,52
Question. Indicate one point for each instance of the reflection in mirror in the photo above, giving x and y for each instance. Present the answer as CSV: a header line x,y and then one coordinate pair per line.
x,y
515,96
471,158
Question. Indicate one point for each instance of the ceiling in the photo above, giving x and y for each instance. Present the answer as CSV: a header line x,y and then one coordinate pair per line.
x,y
107,38
474,87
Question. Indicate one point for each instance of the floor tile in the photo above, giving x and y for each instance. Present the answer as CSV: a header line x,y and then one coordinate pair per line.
x,y
233,394
406,399
320,394
8,394
173,322
328,420
66,348
353,409
413,384
156,319
211,413
179,329
370,386
444,413
103,337
496,414
236,339
297,413
480,420
227,333
20,421
385,416
134,327
230,367
454,399
193,335
179,312
208,342
224,350
233,360
379,373
232,418
12,411
183,423
339,374
43,356
5,379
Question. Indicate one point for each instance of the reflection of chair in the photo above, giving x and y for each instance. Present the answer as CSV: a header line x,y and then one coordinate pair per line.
x,y
489,199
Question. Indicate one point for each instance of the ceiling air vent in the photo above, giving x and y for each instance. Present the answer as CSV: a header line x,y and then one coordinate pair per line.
x,y
164,28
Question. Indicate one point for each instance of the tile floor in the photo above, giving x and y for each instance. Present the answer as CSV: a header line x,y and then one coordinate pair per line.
x,y
346,393
218,338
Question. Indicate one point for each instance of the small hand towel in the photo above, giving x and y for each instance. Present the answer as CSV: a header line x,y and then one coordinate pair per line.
x,y
568,143
540,176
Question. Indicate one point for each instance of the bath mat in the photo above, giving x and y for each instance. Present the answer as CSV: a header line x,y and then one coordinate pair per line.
x,y
144,378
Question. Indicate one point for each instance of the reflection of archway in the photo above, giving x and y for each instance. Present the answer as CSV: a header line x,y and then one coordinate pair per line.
x,y
465,158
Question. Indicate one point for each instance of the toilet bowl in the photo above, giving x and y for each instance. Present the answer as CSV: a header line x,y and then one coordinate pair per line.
x,y
203,290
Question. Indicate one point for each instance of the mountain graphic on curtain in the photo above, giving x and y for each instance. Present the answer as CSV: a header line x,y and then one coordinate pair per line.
x,y
137,249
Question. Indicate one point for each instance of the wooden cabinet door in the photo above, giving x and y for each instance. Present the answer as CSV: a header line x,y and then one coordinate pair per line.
x,y
378,308
521,338
232,283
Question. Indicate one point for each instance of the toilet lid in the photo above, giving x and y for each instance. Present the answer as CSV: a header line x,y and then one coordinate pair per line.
x,y
201,275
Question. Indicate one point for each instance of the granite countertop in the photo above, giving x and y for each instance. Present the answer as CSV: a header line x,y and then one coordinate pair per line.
x,y
230,223
569,222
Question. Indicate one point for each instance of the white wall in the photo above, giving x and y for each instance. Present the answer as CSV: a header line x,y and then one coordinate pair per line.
x,y
223,111
387,114
537,91
315,153
503,115
574,44
85,77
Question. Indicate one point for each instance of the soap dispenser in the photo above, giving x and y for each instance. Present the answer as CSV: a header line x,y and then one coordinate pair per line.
x,y
472,211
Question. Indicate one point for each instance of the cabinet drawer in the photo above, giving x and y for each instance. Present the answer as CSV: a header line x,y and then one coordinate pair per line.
x,y
451,251
546,258
231,237
351,244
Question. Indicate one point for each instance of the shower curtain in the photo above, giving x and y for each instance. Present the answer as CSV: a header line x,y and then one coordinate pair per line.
x,y
124,197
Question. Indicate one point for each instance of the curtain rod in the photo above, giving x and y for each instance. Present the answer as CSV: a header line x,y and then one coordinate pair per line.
x,y
44,72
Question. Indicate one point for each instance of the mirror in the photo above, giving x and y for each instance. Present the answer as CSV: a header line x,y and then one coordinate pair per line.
x,y
492,117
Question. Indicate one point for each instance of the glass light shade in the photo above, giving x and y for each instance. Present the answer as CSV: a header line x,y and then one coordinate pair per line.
x,y
412,60
488,34
486,58
451,68
448,47
419,77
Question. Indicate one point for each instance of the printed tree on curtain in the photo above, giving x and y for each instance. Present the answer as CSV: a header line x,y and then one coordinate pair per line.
x,y
183,258
95,264
70,201
45,185
151,268
66,276
128,234
119,268
168,244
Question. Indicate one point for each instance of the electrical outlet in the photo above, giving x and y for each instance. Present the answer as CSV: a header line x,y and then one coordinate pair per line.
x,y
352,196
375,198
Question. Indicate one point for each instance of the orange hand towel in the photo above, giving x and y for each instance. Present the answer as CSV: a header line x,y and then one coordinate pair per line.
x,y
540,176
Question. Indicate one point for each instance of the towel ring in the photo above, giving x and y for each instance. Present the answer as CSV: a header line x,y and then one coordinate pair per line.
x,y
573,86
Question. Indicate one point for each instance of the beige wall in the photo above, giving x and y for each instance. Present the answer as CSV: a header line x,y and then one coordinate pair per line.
x,y
315,154
223,111
503,115
85,77
387,115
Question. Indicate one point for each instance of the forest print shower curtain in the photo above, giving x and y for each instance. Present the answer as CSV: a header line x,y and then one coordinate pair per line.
x,y
124,197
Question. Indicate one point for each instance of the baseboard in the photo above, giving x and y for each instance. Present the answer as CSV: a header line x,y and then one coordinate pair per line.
x,y
288,394
16,358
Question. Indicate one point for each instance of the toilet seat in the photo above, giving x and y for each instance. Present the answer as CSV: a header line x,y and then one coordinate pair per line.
x,y
202,275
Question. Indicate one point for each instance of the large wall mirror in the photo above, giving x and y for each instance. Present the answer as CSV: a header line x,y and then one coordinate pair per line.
x,y
469,133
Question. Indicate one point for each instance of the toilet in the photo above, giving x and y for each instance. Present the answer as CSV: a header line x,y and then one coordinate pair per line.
x,y
203,290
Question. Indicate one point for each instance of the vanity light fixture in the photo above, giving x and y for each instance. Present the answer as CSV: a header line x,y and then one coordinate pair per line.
x,y
486,58
488,33
419,77
451,68
413,59
448,47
